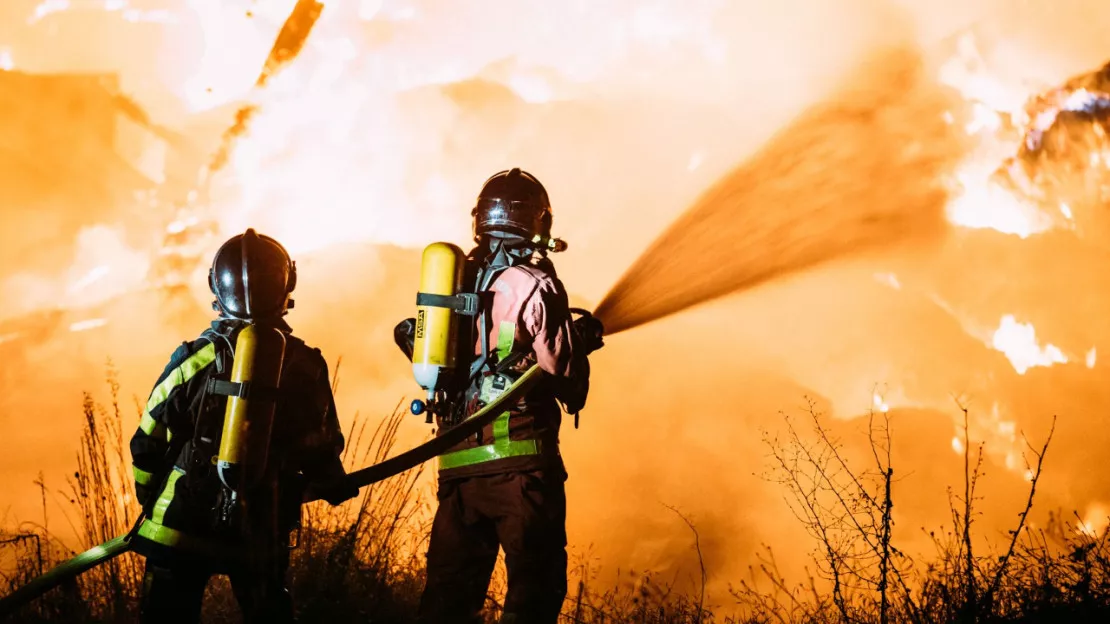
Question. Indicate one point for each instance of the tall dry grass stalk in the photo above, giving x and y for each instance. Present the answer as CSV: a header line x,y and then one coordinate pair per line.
x,y
363,561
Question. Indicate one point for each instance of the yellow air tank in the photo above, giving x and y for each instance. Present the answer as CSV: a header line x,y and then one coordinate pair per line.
x,y
434,349
249,418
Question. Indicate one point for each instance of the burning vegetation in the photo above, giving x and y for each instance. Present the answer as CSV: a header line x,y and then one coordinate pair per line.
x,y
916,224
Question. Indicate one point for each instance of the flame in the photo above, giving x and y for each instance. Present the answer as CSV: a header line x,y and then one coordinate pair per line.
x,y
340,149
233,45
982,204
978,202
997,435
324,159
1018,341
1095,520
967,72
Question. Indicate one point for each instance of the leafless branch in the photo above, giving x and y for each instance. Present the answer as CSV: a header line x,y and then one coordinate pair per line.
x,y
1036,476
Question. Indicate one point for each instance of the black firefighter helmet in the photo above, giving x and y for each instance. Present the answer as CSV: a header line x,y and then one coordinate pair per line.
x,y
513,206
252,276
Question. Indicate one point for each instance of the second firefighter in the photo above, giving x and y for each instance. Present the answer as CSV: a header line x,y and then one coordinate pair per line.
x,y
504,488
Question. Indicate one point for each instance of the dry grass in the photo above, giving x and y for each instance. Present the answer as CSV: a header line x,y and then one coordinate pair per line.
x,y
363,561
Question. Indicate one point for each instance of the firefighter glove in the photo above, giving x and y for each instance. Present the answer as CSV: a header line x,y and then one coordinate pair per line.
x,y
590,332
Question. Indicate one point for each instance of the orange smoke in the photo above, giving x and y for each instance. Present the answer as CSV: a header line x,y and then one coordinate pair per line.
x,y
374,142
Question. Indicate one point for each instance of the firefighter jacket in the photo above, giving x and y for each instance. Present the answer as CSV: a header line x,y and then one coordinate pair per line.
x,y
174,449
527,316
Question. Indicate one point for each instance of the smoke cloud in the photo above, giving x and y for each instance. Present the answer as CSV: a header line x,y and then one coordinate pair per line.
x,y
376,141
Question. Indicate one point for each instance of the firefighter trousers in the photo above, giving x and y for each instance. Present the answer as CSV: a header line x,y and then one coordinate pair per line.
x,y
523,513
173,592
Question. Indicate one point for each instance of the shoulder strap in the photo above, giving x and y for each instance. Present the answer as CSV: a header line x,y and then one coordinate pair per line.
x,y
220,385
223,349
486,276
177,443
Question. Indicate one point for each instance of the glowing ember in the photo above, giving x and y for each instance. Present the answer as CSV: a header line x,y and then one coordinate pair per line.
x,y
87,325
957,445
1018,341
89,278
879,404
888,279
48,7
7,63
179,226
1092,356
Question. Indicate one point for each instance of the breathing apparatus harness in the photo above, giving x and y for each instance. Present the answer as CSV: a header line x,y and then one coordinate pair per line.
x,y
490,373
199,440
464,387
204,439
206,433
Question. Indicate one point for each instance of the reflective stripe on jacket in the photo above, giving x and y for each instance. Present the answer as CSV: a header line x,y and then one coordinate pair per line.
x,y
529,312
181,492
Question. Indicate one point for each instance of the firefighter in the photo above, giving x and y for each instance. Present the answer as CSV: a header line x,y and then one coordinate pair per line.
x,y
195,524
505,487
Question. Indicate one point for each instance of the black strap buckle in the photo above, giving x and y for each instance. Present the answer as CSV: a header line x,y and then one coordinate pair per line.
x,y
244,390
466,304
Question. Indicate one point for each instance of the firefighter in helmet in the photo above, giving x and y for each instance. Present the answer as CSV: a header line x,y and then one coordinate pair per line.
x,y
505,487
201,517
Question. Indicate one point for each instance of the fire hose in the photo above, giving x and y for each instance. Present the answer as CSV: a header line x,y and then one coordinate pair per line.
x,y
448,438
